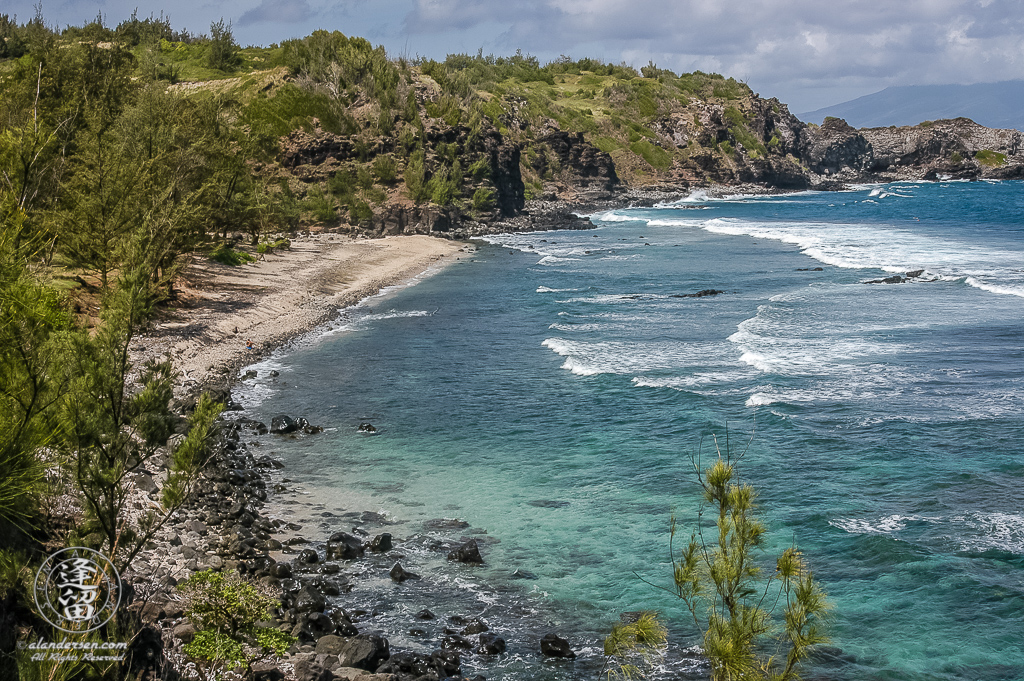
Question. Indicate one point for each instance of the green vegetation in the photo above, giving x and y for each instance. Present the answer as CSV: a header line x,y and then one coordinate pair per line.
x,y
226,255
226,612
993,159
722,586
633,645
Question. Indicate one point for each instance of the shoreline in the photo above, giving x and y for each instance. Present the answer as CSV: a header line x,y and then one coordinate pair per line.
x,y
271,302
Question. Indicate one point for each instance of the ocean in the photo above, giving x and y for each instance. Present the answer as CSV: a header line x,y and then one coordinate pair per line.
x,y
547,395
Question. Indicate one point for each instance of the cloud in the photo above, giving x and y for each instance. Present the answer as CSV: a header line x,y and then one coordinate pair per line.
x,y
277,11
786,47
809,53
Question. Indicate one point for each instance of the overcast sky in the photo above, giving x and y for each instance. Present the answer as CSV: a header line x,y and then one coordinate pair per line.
x,y
808,53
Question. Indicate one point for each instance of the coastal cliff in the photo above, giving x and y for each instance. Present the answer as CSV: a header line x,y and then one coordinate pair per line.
x,y
478,137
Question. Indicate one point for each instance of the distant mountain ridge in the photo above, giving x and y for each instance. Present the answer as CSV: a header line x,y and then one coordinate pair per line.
x,y
994,105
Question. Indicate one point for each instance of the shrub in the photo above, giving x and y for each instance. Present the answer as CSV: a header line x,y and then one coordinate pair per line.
x,y
415,177
223,52
385,168
483,200
721,587
226,255
225,610
321,206
956,159
480,169
634,645
359,211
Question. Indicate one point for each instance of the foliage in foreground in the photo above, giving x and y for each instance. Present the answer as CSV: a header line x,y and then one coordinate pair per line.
x,y
720,581
226,612
632,646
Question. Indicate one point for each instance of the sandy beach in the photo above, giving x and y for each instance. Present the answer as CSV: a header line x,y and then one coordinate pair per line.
x,y
223,308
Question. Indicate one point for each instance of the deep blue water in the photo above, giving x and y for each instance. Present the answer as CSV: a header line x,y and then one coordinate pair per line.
x,y
551,388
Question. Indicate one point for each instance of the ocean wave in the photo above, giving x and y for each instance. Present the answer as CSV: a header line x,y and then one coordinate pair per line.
x,y
864,246
980,531
555,260
888,525
613,216
974,531
622,357
545,289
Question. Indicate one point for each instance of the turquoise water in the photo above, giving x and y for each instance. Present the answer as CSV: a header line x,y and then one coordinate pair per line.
x,y
550,390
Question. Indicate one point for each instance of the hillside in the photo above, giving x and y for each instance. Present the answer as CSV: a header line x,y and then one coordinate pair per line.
x,y
329,132
995,105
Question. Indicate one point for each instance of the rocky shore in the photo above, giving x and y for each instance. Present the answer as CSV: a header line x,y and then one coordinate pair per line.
x,y
225,528
312,571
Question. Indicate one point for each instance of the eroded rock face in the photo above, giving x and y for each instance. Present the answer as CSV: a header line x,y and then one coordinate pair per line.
x,y
581,162
835,147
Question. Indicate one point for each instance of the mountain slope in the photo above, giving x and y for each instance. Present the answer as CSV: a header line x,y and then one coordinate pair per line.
x,y
994,105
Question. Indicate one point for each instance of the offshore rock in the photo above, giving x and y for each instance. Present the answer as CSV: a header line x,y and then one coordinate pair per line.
x,y
467,553
281,425
399,574
553,645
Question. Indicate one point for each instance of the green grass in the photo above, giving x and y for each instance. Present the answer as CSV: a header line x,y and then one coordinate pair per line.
x,y
656,156
993,159
291,108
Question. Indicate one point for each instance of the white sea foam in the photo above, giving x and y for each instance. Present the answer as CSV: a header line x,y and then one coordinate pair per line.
x,y
545,289
971,531
612,216
588,358
987,531
890,524
761,400
555,260
863,246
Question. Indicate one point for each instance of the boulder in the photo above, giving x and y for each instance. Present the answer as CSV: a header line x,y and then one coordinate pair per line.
x,y
451,641
344,546
184,631
266,671
424,615
475,626
309,670
553,645
309,599
399,574
491,644
282,425
366,651
381,543
446,662
467,553
308,557
366,428
330,645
